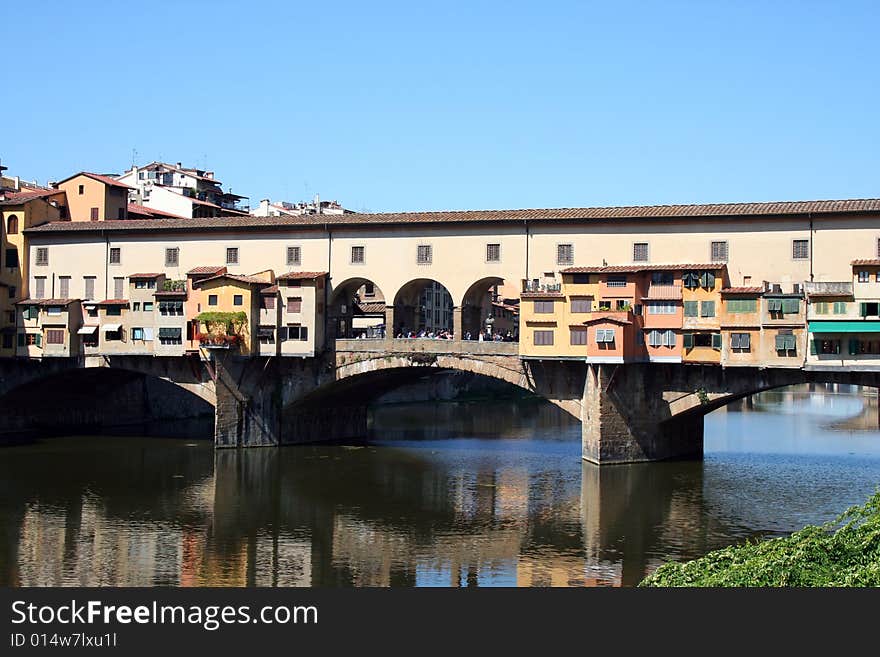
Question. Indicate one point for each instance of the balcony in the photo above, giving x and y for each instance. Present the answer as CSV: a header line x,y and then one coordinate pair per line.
x,y
535,287
222,341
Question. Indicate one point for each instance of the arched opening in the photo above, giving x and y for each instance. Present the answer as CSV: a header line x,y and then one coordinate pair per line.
x,y
357,310
103,400
485,311
12,225
423,308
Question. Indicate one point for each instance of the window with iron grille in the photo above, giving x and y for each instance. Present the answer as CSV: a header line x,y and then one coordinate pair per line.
x,y
357,255
800,249
719,251
543,338
565,254
423,254
640,252
543,306
578,336
493,253
293,256
172,257
616,281
115,255
42,256
232,255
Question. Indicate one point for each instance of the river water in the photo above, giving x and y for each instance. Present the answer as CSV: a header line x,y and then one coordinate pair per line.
x,y
444,494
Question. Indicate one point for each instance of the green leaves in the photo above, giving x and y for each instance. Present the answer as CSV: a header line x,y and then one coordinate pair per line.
x,y
845,552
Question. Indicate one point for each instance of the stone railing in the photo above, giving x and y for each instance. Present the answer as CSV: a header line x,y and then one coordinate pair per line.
x,y
429,346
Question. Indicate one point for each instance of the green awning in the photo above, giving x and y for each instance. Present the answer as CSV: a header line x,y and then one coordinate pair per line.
x,y
872,326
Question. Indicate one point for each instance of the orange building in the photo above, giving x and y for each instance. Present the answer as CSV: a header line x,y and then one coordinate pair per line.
x,y
93,197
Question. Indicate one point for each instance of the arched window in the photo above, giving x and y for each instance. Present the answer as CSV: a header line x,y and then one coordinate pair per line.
x,y
12,225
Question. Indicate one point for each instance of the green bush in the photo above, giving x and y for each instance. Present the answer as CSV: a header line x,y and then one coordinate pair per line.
x,y
845,552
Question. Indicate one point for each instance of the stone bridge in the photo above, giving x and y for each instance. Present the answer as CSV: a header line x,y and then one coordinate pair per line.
x,y
631,412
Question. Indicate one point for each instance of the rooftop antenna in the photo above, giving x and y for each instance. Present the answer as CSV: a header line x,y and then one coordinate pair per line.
x,y
133,157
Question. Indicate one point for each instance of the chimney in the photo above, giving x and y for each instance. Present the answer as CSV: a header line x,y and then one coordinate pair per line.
x,y
179,165
318,204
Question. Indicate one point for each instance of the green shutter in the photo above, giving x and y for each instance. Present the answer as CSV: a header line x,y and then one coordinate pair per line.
x,y
21,339
839,307
707,309
863,309
39,339
735,340
790,343
688,340
690,308
853,347
813,348
780,342
716,341
791,306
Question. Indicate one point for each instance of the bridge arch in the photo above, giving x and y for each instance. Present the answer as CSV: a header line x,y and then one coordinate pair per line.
x,y
357,307
476,307
423,303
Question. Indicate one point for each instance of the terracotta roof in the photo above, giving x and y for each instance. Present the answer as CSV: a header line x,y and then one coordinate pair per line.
x,y
634,269
869,261
107,180
743,290
135,208
372,307
606,318
113,302
301,275
250,280
17,198
144,276
667,212
170,293
46,302
198,201
206,269
272,289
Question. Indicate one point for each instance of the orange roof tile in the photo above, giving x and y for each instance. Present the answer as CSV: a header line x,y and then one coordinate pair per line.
x,y
301,275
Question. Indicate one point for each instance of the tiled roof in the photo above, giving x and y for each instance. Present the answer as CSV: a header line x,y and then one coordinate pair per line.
x,y
17,198
372,307
666,212
743,290
541,295
250,280
301,275
206,269
46,302
664,293
272,289
107,180
869,261
135,208
607,317
634,269
144,276
169,293
113,302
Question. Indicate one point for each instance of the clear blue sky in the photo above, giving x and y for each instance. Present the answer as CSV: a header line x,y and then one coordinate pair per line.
x,y
444,105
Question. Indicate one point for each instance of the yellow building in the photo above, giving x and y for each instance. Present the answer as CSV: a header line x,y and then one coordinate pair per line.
x,y
701,299
93,197
231,311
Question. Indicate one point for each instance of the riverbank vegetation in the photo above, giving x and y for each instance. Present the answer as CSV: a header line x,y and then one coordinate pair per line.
x,y
845,552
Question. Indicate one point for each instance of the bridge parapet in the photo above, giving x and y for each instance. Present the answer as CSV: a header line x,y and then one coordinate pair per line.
x,y
429,346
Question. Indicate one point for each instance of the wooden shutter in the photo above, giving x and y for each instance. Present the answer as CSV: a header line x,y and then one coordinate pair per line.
x,y
716,341
688,340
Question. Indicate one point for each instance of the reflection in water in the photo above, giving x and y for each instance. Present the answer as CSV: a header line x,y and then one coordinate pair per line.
x,y
507,501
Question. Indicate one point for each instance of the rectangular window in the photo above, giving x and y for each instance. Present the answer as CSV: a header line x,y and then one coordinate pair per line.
x,y
660,307
564,254
707,280
358,255
137,334
54,336
787,342
423,254
616,281
119,288
543,338
88,287
821,308
662,278
741,341
294,333
53,310
707,309
64,287
691,280
578,336
115,255
172,257
237,300
741,306
581,305
170,335
640,252
40,287
669,338
580,279
293,256
12,258
688,340
719,251
148,306
800,249
604,336
716,341
94,214
294,304
42,259
212,299
604,305
268,302
840,307
791,306
232,255
543,307
655,338
136,306
864,277
493,253
369,290
80,190
114,311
